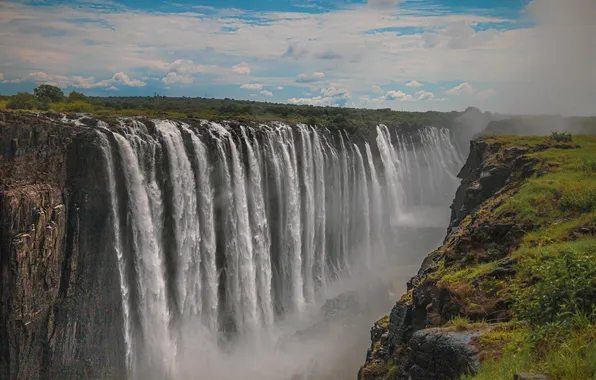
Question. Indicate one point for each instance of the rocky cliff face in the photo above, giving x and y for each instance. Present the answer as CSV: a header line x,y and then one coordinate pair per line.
x,y
415,341
59,315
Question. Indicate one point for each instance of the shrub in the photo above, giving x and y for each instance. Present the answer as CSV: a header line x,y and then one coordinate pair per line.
x,y
561,136
22,100
563,284
77,97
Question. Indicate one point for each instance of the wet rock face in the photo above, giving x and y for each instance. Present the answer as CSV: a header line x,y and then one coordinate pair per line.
x,y
436,354
59,310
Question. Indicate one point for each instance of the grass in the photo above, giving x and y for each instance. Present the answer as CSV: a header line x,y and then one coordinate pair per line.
x,y
554,287
466,275
562,354
567,190
460,323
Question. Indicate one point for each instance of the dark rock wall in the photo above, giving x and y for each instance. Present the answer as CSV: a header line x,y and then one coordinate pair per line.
x,y
60,304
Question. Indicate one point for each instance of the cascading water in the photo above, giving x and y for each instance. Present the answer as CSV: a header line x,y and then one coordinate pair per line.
x,y
233,231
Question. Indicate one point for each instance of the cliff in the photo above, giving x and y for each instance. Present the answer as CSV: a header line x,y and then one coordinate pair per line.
x,y
513,286
59,315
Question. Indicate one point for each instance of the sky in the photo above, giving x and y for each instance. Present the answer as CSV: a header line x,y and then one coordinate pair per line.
x,y
511,56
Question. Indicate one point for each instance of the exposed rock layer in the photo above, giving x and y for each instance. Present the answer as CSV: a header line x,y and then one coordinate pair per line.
x,y
60,307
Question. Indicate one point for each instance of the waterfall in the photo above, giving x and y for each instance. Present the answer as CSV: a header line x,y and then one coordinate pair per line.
x,y
154,311
117,239
260,236
320,260
235,228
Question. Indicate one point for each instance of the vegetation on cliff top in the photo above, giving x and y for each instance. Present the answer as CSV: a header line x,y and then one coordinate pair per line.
x,y
553,288
354,120
362,121
524,262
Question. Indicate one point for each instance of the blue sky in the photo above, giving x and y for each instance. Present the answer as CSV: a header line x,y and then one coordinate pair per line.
x,y
499,55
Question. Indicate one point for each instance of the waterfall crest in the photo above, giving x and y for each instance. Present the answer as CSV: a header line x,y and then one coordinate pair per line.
x,y
235,229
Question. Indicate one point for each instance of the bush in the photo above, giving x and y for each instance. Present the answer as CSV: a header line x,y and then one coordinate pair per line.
x,y
21,101
77,97
78,106
563,284
561,136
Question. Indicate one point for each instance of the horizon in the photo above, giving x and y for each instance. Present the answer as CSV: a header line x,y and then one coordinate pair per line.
x,y
513,57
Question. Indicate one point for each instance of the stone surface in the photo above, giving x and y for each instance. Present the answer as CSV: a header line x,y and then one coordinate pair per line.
x,y
438,354
59,304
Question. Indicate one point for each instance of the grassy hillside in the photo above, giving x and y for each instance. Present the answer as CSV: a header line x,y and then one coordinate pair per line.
x,y
519,270
553,291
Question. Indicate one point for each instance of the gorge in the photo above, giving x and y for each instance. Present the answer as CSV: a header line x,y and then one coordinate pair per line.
x,y
137,248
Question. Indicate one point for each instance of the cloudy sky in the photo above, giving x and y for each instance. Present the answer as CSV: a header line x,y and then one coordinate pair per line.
x,y
517,56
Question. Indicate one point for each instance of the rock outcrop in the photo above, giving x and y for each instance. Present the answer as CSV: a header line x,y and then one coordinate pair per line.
x,y
415,340
59,314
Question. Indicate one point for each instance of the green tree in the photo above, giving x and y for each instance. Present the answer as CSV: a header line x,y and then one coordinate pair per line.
x,y
22,100
77,97
48,93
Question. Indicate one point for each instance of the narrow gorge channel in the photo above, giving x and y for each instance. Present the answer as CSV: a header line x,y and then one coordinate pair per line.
x,y
220,250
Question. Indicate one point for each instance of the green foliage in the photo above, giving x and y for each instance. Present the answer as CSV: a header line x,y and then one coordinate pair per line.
x,y
77,106
566,191
565,354
47,93
21,101
361,122
459,323
75,96
462,323
517,353
558,282
554,287
588,165
465,275
561,136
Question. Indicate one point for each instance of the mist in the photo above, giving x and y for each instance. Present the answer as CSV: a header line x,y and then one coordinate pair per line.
x,y
556,74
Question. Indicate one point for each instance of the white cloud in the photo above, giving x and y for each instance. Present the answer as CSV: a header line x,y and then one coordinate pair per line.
x,y
308,78
414,84
266,93
339,43
485,94
122,78
280,88
252,86
171,78
397,95
314,101
377,89
463,89
383,3
332,91
113,88
242,68
424,95
62,81
330,96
